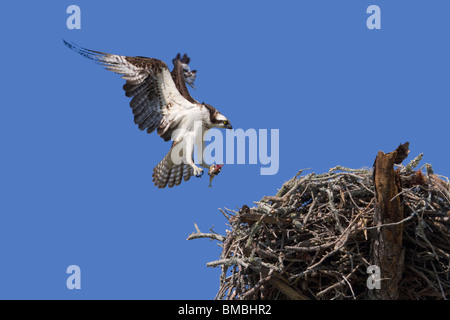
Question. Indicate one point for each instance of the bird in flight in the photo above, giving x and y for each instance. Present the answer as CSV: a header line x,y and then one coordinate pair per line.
x,y
161,101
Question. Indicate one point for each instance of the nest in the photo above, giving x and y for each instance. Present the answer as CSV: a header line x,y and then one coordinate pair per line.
x,y
314,239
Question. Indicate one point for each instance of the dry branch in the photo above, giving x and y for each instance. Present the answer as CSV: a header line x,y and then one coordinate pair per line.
x,y
388,251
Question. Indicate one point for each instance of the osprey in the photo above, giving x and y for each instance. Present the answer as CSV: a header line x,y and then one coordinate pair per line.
x,y
161,101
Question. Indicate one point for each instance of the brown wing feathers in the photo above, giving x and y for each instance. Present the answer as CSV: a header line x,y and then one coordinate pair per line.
x,y
141,85
179,79
146,103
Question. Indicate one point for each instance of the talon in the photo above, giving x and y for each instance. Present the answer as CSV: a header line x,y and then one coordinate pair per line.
x,y
198,172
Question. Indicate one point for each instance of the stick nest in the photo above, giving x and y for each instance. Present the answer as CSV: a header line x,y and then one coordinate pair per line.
x,y
313,239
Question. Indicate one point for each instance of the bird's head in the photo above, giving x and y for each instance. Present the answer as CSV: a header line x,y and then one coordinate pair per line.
x,y
216,119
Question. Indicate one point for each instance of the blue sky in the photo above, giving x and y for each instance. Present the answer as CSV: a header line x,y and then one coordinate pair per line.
x,y
76,184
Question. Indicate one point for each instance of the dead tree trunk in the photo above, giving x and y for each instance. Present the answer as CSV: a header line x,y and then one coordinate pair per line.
x,y
388,253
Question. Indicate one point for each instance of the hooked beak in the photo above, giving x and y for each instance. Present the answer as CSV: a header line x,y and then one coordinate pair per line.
x,y
229,126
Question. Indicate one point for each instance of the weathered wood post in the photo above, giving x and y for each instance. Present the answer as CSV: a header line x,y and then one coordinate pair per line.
x,y
387,251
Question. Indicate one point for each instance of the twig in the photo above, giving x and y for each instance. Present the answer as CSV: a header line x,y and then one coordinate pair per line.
x,y
199,234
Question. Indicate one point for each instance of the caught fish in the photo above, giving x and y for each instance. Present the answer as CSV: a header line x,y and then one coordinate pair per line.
x,y
214,170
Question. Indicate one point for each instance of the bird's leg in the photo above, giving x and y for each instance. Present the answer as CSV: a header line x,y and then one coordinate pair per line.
x,y
202,162
198,172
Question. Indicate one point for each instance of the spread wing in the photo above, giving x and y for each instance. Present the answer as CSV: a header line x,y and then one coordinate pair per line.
x,y
156,101
183,75
169,173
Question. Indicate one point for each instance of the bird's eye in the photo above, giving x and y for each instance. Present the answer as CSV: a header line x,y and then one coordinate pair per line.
x,y
225,122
